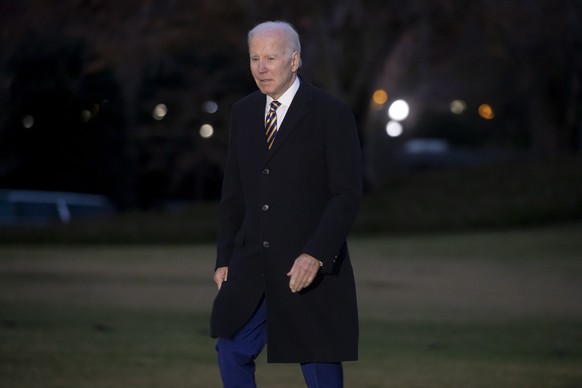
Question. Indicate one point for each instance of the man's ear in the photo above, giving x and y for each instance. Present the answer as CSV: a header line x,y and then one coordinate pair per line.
x,y
295,60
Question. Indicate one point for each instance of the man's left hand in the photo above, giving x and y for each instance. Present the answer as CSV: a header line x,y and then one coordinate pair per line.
x,y
303,272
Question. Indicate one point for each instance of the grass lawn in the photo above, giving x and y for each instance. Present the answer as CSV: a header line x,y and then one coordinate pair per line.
x,y
486,309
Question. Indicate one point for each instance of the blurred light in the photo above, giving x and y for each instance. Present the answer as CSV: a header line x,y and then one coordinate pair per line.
x,y
210,107
85,115
398,110
458,106
426,146
394,129
27,121
380,97
206,131
90,113
160,111
486,111
95,109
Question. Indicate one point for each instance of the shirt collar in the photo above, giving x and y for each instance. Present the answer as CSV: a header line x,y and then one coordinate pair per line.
x,y
287,97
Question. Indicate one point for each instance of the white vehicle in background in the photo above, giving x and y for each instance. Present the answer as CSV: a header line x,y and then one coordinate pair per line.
x,y
39,208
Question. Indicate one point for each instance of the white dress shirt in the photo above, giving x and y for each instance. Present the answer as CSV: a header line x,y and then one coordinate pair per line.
x,y
285,101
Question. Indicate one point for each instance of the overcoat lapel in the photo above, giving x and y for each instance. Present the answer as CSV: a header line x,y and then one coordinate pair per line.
x,y
298,109
257,142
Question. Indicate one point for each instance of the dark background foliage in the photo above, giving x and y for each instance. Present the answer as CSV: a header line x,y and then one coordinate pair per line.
x,y
80,79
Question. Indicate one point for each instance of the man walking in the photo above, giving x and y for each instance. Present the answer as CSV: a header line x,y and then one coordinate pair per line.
x,y
291,192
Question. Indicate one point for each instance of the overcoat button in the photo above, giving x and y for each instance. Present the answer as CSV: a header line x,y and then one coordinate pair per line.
x,y
266,244
266,171
265,208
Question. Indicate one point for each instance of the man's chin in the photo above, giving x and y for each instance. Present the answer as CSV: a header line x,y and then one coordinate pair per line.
x,y
265,90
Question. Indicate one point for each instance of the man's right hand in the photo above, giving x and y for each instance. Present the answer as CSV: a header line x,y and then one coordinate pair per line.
x,y
220,275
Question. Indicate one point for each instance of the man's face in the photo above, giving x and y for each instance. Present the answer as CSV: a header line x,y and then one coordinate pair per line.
x,y
272,64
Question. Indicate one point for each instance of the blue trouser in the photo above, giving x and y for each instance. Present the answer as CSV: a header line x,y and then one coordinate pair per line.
x,y
236,358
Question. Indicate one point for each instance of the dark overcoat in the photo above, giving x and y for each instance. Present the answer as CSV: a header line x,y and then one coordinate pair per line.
x,y
302,196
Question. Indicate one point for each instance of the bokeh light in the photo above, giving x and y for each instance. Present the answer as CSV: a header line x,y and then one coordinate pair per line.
x,y
394,128
458,106
160,111
206,131
210,107
27,121
398,110
380,97
86,115
486,111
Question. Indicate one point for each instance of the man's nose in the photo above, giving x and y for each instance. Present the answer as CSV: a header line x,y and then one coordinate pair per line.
x,y
262,67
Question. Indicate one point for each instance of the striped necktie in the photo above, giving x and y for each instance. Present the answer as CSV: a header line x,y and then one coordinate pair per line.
x,y
271,123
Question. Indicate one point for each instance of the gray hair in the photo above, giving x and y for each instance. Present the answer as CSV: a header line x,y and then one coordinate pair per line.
x,y
291,35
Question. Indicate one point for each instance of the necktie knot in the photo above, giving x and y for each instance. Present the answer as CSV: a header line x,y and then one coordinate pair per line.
x,y
271,123
274,105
